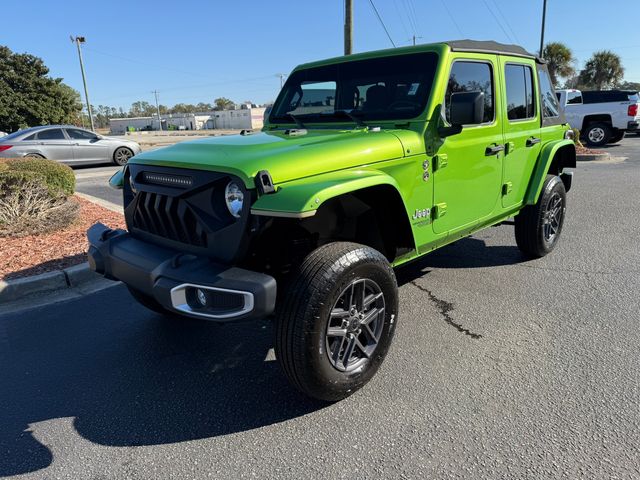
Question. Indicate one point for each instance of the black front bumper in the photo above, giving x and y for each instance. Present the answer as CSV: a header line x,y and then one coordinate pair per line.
x,y
176,280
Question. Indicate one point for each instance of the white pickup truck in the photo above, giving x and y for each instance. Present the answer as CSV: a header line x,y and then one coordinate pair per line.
x,y
601,116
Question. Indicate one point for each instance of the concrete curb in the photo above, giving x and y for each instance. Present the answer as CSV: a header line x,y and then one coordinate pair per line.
x,y
593,157
71,277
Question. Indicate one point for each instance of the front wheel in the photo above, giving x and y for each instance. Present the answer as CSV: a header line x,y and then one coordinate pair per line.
x,y
122,155
538,226
337,320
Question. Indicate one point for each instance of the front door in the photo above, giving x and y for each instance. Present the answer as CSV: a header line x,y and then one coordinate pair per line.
x,y
54,145
468,174
521,120
87,146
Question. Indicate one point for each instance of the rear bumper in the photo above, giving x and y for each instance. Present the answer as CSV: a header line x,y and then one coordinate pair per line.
x,y
633,126
179,281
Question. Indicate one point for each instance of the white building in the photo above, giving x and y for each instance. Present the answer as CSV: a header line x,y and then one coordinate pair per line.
x,y
243,118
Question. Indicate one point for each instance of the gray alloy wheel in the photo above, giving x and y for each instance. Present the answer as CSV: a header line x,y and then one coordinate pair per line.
x,y
552,217
122,155
355,325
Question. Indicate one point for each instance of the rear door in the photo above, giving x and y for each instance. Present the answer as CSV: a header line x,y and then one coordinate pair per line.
x,y
468,170
87,147
54,145
521,124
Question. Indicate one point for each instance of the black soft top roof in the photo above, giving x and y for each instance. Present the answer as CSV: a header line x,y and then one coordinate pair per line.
x,y
489,47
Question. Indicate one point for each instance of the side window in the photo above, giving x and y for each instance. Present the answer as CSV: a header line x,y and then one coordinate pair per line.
x,y
520,95
574,98
471,77
29,138
53,134
80,134
549,100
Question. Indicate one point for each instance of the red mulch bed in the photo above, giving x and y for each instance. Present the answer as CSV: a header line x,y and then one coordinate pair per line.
x,y
34,254
587,151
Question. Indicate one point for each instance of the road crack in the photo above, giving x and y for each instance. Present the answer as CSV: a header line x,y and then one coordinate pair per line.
x,y
445,308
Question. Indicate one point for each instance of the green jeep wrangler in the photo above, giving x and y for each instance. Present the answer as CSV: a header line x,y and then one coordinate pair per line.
x,y
366,162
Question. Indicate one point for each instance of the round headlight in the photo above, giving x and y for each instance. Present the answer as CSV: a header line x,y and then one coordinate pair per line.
x,y
234,198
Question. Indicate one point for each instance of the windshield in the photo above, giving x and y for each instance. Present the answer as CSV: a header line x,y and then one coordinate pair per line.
x,y
386,88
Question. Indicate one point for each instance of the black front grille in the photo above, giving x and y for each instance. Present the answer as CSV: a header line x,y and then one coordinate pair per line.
x,y
184,209
168,217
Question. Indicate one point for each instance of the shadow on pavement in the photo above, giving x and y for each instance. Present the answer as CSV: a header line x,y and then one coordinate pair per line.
x,y
130,377
465,253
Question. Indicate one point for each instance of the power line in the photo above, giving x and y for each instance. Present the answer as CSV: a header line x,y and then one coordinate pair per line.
x,y
131,60
412,21
495,17
404,27
453,20
504,19
381,22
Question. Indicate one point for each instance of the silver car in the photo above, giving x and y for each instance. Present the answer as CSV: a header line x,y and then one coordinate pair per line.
x,y
67,144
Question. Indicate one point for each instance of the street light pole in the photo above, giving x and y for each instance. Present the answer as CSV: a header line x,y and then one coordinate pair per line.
x,y
78,41
155,92
348,27
544,17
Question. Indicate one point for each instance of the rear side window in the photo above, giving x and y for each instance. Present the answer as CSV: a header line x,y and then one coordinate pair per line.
x,y
574,98
520,94
53,134
471,77
549,102
80,134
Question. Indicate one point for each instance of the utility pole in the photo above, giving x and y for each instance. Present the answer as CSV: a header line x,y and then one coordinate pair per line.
x,y
155,92
414,39
281,75
348,27
78,41
544,16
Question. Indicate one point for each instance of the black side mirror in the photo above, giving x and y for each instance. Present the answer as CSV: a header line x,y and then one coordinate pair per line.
x,y
467,108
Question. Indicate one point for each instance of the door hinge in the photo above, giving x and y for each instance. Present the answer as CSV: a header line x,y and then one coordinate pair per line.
x,y
439,210
507,188
440,161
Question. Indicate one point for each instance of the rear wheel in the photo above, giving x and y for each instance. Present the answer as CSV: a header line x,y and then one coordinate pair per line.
x,y
538,226
122,155
34,155
337,320
597,134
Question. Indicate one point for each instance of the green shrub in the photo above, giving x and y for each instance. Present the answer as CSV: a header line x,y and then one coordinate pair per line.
x,y
58,178
34,196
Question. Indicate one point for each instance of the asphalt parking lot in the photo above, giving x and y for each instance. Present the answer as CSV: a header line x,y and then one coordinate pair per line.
x,y
501,368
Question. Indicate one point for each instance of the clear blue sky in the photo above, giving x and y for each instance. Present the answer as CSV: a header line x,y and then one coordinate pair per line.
x,y
195,51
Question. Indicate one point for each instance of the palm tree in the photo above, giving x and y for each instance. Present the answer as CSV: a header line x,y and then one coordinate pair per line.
x,y
603,70
559,60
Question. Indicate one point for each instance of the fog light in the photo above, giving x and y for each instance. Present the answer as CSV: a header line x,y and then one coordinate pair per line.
x,y
202,297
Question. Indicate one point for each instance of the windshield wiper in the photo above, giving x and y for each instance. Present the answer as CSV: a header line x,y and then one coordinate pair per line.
x,y
351,115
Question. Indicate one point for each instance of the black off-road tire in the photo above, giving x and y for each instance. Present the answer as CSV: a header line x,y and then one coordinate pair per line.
x,y
617,136
302,341
532,223
597,134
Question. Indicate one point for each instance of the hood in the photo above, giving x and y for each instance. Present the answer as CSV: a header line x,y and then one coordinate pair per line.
x,y
286,157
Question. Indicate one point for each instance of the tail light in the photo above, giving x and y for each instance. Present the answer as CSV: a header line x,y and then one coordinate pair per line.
x,y
632,111
5,147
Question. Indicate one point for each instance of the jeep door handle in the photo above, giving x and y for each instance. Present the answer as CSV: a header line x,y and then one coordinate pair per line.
x,y
493,150
532,141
